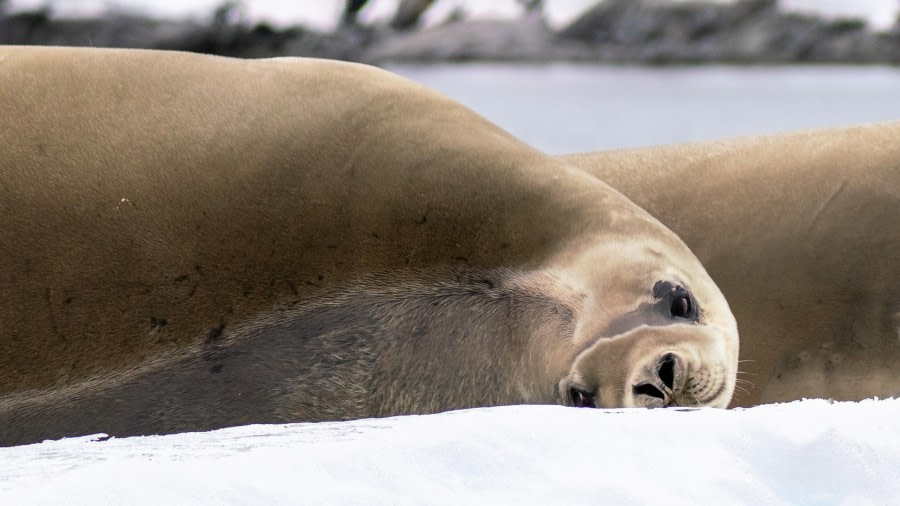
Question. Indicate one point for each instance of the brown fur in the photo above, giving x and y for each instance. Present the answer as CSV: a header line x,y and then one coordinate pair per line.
x,y
187,239
802,233
336,358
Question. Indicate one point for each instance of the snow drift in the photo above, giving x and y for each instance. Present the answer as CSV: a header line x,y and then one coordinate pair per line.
x,y
804,452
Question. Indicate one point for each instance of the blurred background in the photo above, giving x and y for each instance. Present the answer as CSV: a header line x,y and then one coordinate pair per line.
x,y
563,75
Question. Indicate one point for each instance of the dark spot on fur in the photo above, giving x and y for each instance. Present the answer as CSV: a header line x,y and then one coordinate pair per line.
x,y
504,245
661,288
198,268
423,220
217,368
332,246
181,278
215,333
461,259
246,291
68,300
49,299
158,322
375,235
321,277
486,282
193,291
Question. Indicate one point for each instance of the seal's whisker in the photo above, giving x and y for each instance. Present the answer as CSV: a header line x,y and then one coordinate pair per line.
x,y
742,389
744,382
744,385
690,391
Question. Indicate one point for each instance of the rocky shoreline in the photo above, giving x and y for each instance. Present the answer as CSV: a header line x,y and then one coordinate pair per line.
x,y
614,31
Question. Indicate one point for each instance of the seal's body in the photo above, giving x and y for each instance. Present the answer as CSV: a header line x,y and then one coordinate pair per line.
x,y
191,242
802,233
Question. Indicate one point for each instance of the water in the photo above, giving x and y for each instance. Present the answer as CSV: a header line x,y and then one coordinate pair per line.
x,y
563,108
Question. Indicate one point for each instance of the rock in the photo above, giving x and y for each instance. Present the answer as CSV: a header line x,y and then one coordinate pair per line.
x,y
408,13
621,31
748,31
524,40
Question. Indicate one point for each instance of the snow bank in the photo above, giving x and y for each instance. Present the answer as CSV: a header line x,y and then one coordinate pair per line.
x,y
804,452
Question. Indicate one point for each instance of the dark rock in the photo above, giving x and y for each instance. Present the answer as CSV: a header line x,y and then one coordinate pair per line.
x,y
351,10
408,13
525,40
621,31
748,31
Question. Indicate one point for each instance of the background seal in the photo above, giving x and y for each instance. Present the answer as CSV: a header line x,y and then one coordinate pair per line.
x,y
801,232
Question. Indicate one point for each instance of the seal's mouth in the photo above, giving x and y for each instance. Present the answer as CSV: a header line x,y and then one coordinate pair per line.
x,y
581,398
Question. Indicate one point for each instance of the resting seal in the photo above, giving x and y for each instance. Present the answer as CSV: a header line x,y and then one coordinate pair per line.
x,y
192,242
802,233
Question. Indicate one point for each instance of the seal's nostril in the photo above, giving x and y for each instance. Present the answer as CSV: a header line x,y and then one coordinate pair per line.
x,y
667,370
648,390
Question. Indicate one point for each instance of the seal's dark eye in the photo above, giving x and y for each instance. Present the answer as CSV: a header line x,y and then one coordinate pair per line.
x,y
582,398
682,305
677,299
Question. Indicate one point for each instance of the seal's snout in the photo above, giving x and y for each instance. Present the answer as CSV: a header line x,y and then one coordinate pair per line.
x,y
660,381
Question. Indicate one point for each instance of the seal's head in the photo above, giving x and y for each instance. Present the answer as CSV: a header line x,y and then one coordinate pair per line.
x,y
653,330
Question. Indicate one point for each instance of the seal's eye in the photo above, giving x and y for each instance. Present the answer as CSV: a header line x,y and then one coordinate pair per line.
x,y
682,307
582,398
677,299
682,304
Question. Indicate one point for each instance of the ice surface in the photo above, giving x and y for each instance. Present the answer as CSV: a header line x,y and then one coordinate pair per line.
x,y
809,452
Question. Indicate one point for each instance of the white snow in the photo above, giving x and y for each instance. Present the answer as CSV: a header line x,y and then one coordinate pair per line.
x,y
325,14
809,452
